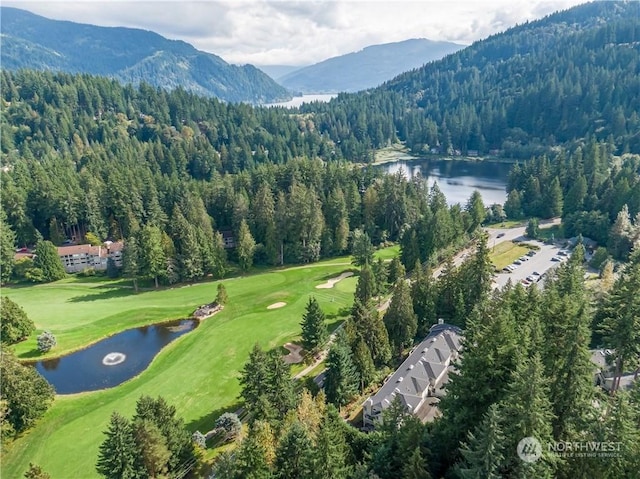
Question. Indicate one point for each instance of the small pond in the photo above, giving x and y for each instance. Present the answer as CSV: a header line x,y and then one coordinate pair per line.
x,y
111,361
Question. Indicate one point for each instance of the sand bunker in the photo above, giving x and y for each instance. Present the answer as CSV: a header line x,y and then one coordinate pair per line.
x,y
330,283
294,355
276,305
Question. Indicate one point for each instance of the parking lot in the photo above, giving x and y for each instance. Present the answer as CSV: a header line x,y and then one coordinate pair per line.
x,y
541,262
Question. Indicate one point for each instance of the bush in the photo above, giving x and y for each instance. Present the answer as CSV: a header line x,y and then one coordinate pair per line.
x,y
35,275
86,272
46,341
230,424
199,439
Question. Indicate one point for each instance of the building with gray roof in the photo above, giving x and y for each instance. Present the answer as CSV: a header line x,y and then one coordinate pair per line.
x,y
421,375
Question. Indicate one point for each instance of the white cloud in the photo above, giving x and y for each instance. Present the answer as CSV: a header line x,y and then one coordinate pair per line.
x,y
300,32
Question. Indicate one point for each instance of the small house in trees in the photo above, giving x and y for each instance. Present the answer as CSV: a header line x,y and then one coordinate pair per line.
x,y
420,378
228,240
76,258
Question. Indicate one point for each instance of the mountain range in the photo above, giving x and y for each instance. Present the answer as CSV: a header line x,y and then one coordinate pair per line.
x,y
366,68
128,55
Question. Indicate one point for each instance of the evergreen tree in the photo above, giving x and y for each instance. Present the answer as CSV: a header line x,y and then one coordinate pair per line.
x,y
15,325
483,374
152,447
620,322
314,329
341,380
364,363
361,248
483,451
513,205
423,297
415,468
533,229
221,296
553,199
330,456
475,208
118,456
254,379
365,323
526,412
7,248
177,437
48,261
251,461
152,259
366,285
400,320
246,246
294,453
566,329
131,261
396,270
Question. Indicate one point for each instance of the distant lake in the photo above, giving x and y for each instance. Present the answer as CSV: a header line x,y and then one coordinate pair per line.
x,y
457,179
113,360
299,100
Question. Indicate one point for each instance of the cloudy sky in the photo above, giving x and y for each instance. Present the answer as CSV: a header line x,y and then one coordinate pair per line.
x,y
279,32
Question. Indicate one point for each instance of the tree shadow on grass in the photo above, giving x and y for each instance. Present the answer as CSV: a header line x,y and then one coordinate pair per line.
x,y
104,292
206,422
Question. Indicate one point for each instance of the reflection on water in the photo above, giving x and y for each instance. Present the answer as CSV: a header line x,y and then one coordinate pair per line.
x,y
457,179
85,370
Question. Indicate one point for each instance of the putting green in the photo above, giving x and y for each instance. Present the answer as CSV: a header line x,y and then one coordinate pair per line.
x,y
198,373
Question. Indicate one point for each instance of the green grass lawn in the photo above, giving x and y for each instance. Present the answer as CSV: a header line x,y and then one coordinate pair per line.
x,y
506,253
506,224
198,373
387,253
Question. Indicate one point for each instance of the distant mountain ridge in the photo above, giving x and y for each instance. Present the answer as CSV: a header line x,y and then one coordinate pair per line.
x,y
128,55
366,68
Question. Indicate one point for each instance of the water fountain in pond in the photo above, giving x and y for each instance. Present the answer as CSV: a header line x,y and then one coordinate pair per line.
x,y
112,359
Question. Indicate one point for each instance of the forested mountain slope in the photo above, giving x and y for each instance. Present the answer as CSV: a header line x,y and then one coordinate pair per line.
x,y
567,76
128,55
366,68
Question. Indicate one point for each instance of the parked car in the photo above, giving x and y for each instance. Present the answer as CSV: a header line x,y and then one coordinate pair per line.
x,y
535,273
530,278
531,253
563,253
518,262
500,235
556,259
523,258
506,269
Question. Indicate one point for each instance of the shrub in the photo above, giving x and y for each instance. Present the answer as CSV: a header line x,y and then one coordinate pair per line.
x,y
199,439
230,424
88,271
46,341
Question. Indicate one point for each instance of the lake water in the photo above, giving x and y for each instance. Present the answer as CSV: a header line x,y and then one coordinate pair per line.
x,y
457,179
111,361
299,100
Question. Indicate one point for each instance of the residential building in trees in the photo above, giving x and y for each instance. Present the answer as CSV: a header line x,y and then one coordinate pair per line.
x,y
420,377
76,258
